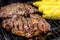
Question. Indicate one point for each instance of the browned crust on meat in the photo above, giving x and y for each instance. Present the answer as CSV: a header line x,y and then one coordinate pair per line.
x,y
16,9
27,27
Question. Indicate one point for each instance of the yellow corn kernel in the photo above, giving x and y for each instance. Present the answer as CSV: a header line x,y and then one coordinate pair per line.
x,y
49,0
37,3
58,0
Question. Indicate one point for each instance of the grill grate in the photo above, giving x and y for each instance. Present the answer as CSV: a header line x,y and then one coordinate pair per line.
x,y
55,35
55,28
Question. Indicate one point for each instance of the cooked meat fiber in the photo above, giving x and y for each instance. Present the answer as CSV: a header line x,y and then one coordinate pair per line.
x,y
42,23
27,27
16,9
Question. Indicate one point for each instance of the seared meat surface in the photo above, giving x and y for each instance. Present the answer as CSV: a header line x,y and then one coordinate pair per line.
x,y
28,27
16,9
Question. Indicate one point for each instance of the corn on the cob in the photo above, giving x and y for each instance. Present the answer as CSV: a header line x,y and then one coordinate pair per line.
x,y
50,8
53,13
40,3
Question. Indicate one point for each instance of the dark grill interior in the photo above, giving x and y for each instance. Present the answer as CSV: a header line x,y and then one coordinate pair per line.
x,y
55,28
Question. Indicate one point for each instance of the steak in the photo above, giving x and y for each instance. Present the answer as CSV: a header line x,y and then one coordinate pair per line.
x,y
16,9
27,27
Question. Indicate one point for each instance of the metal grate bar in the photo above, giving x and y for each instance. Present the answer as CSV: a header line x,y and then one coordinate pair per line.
x,y
52,24
13,36
6,35
56,33
57,24
53,27
49,38
1,35
54,36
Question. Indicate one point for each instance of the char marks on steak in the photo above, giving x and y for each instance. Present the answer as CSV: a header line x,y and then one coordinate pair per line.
x,y
28,27
16,9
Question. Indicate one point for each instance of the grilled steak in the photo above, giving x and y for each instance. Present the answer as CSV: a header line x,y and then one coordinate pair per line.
x,y
28,27
16,9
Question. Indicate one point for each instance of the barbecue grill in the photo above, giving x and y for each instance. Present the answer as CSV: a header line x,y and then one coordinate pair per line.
x,y
55,27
